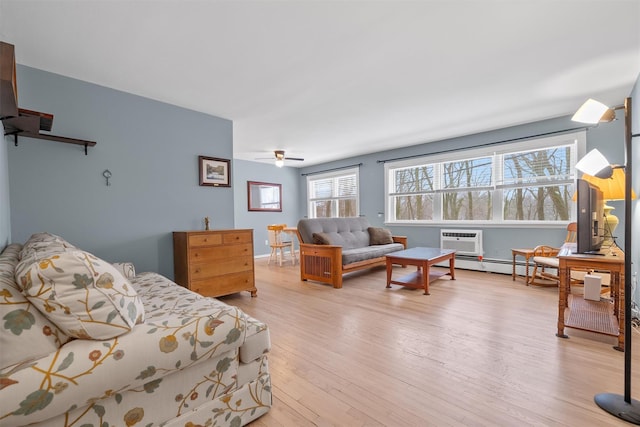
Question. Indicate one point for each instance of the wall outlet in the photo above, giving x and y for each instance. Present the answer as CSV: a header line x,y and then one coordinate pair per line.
x,y
266,242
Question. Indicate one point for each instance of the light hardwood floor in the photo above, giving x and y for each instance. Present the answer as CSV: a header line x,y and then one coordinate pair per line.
x,y
479,351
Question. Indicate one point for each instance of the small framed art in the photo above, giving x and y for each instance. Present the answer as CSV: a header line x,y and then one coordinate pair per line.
x,y
214,172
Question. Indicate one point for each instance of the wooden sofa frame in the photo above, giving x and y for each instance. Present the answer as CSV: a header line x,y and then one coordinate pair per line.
x,y
323,263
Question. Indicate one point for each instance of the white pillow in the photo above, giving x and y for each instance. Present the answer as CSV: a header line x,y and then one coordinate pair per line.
x,y
81,294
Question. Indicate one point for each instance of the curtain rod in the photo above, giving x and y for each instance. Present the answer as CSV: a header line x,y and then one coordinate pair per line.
x,y
333,169
487,144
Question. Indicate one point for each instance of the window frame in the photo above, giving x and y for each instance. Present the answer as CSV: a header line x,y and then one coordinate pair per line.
x,y
576,141
334,176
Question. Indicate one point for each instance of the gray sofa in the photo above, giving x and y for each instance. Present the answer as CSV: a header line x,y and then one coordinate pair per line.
x,y
331,247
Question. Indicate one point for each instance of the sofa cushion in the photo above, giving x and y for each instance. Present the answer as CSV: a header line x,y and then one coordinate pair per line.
x,y
21,322
83,295
350,233
379,236
361,254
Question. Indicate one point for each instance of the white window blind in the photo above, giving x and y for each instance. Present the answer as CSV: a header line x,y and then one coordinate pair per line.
x,y
333,194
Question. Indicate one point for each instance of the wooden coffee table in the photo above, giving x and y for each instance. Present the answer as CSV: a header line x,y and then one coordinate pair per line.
x,y
423,258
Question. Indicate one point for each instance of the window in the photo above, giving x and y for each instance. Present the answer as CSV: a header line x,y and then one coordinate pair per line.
x,y
530,181
333,194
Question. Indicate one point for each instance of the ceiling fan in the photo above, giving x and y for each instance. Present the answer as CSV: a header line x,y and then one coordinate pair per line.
x,y
280,158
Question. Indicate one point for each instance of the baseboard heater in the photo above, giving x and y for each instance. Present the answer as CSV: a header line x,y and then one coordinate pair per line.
x,y
492,265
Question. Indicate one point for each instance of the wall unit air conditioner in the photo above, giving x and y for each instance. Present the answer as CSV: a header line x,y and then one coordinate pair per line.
x,y
465,242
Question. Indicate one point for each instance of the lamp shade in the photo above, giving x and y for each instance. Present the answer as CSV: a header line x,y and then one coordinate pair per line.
x,y
612,188
593,112
595,164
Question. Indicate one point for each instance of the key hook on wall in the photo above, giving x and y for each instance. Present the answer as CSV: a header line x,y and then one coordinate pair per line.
x,y
107,174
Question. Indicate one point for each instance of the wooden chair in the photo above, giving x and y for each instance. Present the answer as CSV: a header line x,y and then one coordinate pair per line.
x,y
572,232
545,262
278,245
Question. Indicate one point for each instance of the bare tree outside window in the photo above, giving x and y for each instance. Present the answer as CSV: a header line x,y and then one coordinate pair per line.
x,y
532,183
470,179
333,195
551,198
413,199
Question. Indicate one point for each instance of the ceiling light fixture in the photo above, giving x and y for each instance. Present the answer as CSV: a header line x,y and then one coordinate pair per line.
x,y
621,406
279,158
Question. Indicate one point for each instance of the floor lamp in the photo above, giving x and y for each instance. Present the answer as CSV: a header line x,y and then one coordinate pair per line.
x,y
593,112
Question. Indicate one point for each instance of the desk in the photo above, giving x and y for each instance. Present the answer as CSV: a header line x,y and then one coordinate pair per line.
x,y
526,253
595,316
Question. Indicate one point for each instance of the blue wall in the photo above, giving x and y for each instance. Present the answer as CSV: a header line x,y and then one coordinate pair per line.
x,y
150,147
5,205
264,172
497,241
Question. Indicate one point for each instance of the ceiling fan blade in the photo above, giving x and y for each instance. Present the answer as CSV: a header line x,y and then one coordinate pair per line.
x,y
295,158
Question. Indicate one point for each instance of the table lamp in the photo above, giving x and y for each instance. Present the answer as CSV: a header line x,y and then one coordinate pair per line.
x,y
612,189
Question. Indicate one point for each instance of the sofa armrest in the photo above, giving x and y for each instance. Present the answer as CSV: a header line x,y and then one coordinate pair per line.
x,y
322,263
127,269
400,239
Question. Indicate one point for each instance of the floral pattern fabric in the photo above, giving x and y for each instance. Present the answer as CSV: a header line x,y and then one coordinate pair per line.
x,y
25,334
185,356
81,294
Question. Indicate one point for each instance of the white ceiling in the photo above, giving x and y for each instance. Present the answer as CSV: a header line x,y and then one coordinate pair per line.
x,y
326,80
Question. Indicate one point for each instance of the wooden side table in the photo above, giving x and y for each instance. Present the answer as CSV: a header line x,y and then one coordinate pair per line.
x,y
596,316
526,253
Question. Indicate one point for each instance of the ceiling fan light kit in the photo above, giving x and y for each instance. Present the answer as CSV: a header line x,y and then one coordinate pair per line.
x,y
280,158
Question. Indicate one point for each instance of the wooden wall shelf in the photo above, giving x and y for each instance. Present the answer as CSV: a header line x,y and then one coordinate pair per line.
x,y
18,121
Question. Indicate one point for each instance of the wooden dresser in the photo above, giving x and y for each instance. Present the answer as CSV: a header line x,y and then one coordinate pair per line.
x,y
215,262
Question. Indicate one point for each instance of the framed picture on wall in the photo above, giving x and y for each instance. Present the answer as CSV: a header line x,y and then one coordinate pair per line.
x,y
214,172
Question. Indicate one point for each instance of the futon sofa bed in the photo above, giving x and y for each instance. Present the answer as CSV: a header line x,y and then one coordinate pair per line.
x,y
88,343
331,247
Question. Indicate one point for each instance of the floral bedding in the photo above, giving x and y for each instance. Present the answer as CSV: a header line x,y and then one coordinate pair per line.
x,y
190,353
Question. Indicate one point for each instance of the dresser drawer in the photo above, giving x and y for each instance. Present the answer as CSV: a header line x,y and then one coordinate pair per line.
x,y
212,269
237,237
206,254
224,285
208,239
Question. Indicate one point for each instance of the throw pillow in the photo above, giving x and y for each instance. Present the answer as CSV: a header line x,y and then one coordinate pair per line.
x,y
379,236
25,333
83,295
321,239
40,244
